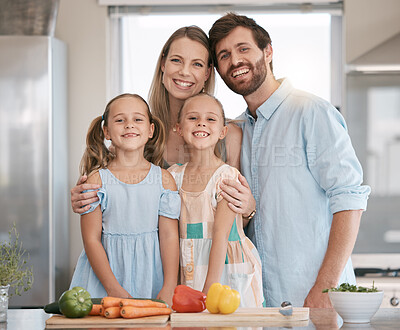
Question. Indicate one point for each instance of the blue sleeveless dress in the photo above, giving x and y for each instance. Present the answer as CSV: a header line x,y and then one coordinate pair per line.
x,y
130,234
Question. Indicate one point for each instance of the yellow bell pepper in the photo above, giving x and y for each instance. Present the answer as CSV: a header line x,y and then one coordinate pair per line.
x,y
222,299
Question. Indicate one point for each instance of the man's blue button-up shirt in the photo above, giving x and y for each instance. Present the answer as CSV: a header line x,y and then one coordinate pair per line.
x,y
299,162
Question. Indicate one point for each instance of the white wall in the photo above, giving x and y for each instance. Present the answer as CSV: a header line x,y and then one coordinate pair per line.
x,y
368,23
81,24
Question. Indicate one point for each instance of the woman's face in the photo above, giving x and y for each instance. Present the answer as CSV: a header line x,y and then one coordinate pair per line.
x,y
185,68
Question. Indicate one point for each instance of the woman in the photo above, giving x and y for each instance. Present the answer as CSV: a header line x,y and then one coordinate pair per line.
x,y
184,68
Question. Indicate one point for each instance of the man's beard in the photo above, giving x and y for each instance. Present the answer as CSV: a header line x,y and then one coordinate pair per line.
x,y
259,76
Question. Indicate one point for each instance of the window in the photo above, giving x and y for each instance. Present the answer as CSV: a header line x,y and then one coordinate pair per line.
x,y
301,44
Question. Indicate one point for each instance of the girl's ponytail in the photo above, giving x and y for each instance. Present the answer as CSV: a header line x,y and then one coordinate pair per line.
x,y
96,155
154,148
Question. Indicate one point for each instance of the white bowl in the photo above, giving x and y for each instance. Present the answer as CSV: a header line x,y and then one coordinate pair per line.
x,y
356,307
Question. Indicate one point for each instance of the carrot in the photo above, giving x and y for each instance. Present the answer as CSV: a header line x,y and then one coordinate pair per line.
x,y
95,310
130,312
110,302
102,310
141,303
112,312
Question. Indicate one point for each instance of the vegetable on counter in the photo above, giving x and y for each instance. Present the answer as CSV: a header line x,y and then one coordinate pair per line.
x,y
130,312
102,310
188,300
96,310
112,312
53,308
78,303
346,287
110,302
75,303
222,299
141,303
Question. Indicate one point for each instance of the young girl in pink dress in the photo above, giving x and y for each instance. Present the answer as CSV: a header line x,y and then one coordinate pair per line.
x,y
213,246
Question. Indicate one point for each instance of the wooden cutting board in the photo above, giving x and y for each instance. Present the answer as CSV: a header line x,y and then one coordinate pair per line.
x,y
266,316
62,322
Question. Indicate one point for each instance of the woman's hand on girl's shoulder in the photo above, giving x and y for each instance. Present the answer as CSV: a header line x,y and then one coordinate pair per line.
x,y
168,180
81,201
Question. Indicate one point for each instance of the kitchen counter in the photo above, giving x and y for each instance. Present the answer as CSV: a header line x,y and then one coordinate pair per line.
x,y
385,318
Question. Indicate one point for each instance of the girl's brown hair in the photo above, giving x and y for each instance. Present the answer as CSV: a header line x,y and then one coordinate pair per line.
x,y
158,95
97,155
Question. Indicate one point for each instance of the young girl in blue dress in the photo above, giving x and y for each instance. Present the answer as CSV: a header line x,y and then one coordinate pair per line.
x,y
130,236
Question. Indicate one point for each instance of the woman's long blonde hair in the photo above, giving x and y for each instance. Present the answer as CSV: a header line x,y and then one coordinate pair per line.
x,y
97,155
158,95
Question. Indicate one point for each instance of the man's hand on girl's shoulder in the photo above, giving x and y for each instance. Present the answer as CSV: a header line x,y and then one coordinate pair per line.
x,y
238,195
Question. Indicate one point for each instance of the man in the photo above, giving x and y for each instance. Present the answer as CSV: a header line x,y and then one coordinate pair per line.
x,y
301,167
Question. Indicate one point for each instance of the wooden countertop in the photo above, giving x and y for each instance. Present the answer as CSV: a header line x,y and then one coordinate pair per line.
x,y
386,318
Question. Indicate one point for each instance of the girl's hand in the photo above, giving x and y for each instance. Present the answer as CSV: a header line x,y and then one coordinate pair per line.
x,y
223,221
80,202
166,295
238,195
119,293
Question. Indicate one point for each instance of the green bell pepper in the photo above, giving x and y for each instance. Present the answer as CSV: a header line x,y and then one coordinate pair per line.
x,y
75,302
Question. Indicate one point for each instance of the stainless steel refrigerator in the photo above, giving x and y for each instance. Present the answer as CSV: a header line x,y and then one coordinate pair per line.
x,y
33,159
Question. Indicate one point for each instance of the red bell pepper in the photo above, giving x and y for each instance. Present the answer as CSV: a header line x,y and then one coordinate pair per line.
x,y
188,300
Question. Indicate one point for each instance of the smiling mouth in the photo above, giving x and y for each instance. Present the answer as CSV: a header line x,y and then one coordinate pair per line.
x,y
183,83
129,135
201,134
240,72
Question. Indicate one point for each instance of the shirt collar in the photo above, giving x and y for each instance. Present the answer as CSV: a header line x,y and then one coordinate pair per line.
x,y
268,108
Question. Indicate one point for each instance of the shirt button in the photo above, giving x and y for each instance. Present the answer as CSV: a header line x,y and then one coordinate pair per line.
x,y
189,268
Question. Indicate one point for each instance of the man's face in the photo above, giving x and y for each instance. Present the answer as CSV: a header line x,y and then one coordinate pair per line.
x,y
241,64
